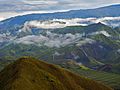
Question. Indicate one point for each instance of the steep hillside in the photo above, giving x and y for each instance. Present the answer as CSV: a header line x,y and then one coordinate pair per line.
x,y
31,74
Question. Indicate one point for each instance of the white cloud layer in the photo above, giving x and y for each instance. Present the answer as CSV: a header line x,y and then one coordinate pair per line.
x,y
51,39
101,32
46,5
55,40
61,23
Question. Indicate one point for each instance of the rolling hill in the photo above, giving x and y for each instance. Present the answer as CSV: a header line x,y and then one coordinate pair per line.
x,y
31,74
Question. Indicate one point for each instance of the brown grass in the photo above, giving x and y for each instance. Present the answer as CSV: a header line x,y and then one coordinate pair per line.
x,y
31,74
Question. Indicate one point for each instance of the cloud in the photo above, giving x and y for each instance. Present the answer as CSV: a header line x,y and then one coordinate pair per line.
x,y
55,23
101,32
2,18
61,23
41,2
50,39
46,5
72,4
55,40
85,41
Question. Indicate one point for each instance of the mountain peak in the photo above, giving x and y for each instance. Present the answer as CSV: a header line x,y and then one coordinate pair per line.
x,y
31,74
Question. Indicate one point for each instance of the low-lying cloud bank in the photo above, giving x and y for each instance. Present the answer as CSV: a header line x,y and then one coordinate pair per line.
x,y
50,39
105,33
59,40
61,23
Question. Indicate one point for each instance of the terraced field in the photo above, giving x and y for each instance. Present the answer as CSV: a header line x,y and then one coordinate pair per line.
x,y
109,79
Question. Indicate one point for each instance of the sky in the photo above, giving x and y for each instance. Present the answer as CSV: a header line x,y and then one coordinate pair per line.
x,y
10,8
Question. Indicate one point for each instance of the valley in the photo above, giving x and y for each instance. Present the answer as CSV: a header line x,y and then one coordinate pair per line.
x,y
84,42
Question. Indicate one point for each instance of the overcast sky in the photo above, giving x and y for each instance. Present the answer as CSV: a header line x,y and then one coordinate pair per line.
x,y
10,8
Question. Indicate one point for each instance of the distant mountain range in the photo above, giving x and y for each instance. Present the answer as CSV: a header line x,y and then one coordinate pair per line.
x,y
90,37
108,15
108,11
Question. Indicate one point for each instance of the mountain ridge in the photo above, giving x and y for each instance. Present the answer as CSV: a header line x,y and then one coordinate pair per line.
x,y
30,74
107,11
